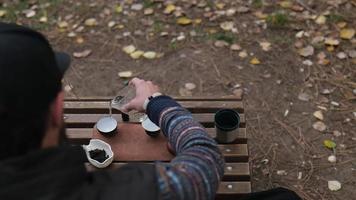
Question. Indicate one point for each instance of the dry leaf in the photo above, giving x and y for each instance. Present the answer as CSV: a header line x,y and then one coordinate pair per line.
x,y
243,54
169,9
137,54
184,21
29,13
320,20
150,54
235,47
3,13
91,22
137,7
255,61
307,51
319,126
266,46
62,24
304,97
331,42
43,19
319,115
82,54
334,185
329,144
221,43
347,33
129,49
286,4
227,26
118,9
148,11
125,74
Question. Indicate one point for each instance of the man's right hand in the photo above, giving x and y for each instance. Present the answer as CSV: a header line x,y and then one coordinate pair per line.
x,y
144,89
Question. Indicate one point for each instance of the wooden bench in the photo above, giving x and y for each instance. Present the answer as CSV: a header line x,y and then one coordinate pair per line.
x,y
81,116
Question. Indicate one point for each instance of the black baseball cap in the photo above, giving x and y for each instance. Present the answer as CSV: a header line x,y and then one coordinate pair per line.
x,y
30,71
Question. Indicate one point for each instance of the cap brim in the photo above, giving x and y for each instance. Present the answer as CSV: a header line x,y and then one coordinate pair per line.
x,y
63,61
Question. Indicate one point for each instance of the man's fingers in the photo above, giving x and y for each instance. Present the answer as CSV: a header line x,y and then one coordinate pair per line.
x,y
136,81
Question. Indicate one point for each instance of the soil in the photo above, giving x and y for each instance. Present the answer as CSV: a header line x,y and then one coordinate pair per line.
x,y
285,149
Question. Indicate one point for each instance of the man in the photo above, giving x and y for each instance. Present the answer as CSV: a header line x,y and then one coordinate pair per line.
x,y
35,163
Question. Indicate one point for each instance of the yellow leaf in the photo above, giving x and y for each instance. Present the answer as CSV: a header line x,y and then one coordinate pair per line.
x,y
329,144
255,61
347,33
320,20
286,4
136,54
198,21
2,13
331,42
150,54
184,21
169,9
220,5
129,49
118,9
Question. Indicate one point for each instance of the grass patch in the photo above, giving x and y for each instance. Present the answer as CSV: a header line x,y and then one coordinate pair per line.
x,y
257,3
148,3
277,19
335,18
224,36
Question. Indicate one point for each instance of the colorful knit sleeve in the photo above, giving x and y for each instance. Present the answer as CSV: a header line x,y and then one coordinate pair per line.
x,y
198,167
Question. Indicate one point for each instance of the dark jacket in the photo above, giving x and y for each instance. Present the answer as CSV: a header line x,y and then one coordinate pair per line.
x,y
60,173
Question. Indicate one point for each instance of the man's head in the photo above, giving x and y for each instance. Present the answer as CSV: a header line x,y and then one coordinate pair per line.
x,y
31,97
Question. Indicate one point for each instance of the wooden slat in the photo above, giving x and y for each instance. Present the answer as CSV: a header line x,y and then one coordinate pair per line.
x,y
83,135
178,98
194,106
89,120
233,190
233,171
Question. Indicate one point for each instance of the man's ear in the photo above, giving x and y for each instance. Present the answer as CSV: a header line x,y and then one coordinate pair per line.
x,y
57,110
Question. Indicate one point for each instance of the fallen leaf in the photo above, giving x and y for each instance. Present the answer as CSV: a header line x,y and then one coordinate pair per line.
x,y
320,20
243,54
227,26
129,49
150,54
118,9
304,96
62,24
125,74
243,9
169,9
319,115
307,51
82,54
319,126
148,11
341,55
91,22
235,47
184,21
266,46
286,4
29,13
220,5
3,13
329,144
43,19
341,24
331,41
347,33
136,6
260,15
111,24
334,185
190,86
137,54
255,61
221,43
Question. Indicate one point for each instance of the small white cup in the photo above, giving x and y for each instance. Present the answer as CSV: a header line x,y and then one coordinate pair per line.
x,y
99,144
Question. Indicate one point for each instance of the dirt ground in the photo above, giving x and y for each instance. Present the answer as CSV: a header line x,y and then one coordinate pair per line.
x,y
283,83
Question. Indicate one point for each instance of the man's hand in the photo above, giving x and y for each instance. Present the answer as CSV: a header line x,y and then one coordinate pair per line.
x,y
144,89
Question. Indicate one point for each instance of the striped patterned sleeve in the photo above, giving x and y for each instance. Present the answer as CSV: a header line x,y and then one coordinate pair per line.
x,y
198,167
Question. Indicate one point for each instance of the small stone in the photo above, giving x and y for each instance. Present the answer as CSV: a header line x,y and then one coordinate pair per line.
x,y
341,55
282,172
334,185
111,24
334,103
325,91
72,34
332,159
190,86
136,6
319,126
304,97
